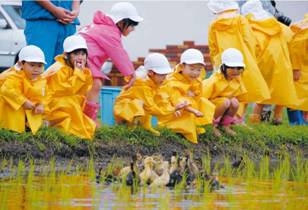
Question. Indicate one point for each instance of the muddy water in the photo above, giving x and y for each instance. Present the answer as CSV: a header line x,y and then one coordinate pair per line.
x,y
79,191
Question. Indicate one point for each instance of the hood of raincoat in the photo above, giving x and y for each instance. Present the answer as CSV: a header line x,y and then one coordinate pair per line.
x,y
268,26
102,18
230,24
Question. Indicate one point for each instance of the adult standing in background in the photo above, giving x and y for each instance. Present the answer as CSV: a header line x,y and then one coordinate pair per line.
x,y
48,23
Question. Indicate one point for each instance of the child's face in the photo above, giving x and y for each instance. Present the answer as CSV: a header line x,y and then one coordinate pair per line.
x,y
32,69
127,30
192,71
234,72
157,78
78,58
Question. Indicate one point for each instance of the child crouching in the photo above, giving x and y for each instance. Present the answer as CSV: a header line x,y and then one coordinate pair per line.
x,y
23,95
136,105
224,89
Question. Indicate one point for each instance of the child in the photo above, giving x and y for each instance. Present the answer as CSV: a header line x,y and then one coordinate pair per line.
x,y
137,104
23,92
231,30
184,86
103,38
273,59
69,80
225,88
299,57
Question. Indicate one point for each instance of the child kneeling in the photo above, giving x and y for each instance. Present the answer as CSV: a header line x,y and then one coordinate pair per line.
x,y
136,105
69,80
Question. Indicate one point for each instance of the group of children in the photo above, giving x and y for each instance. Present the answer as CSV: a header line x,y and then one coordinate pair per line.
x,y
256,59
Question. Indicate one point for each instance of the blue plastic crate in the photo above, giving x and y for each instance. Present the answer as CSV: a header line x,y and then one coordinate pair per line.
x,y
107,97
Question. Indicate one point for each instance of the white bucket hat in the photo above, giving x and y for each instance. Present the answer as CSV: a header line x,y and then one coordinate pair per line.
x,y
158,63
255,8
192,56
123,10
232,57
74,42
31,53
218,6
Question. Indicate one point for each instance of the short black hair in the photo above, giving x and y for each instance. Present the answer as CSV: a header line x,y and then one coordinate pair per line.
x,y
126,23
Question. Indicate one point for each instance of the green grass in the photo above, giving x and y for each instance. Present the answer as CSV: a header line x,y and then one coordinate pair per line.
x,y
260,139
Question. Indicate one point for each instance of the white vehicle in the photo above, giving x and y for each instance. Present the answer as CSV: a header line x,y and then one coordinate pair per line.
x,y
12,37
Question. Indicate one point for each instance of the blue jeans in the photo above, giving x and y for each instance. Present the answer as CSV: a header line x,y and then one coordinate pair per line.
x,y
48,35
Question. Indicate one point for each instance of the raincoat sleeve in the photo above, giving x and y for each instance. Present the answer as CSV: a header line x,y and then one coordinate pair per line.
x,y
248,36
114,49
213,47
151,106
11,91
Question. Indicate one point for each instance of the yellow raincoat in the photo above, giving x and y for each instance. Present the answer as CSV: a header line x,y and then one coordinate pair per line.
x,y
141,101
217,89
6,73
14,91
299,57
68,88
235,32
179,89
274,61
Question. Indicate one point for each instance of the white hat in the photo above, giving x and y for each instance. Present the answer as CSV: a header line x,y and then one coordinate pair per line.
x,y
31,53
232,57
218,6
255,8
192,56
158,63
123,10
74,42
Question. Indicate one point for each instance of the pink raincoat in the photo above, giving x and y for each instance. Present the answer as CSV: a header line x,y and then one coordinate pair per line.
x,y
104,41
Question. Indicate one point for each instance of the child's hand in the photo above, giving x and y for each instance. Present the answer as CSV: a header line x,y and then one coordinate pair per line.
x,y
296,74
181,105
80,64
28,105
178,113
39,109
198,113
130,82
191,94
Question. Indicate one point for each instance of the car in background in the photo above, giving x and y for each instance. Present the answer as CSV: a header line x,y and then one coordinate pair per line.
x,y
12,37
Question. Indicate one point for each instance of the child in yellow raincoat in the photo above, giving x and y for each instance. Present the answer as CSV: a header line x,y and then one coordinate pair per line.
x,y
23,95
231,30
69,80
299,58
136,105
184,86
273,59
225,89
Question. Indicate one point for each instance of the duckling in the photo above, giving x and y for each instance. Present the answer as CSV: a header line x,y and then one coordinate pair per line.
x,y
158,163
174,171
131,176
148,174
164,179
238,163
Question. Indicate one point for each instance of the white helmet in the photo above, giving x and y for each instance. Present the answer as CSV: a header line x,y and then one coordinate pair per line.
x,y
74,42
123,10
31,53
192,56
158,63
218,6
255,8
233,58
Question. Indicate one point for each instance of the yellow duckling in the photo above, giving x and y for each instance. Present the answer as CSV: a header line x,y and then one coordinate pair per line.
x,y
148,175
162,180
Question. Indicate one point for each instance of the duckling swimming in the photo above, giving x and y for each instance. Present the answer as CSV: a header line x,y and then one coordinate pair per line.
x,y
148,175
164,179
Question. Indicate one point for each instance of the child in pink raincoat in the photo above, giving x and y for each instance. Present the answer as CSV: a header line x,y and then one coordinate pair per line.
x,y
103,39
